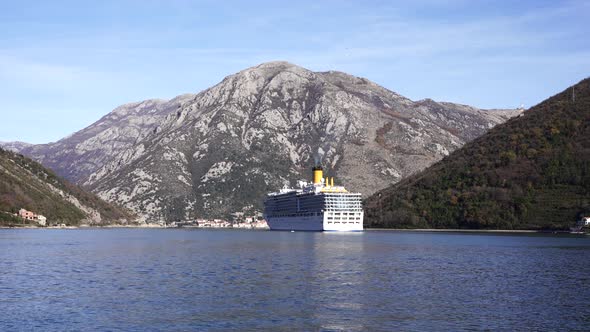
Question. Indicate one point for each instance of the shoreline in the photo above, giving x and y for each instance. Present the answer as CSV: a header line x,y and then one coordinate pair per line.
x,y
458,230
77,227
147,226
422,230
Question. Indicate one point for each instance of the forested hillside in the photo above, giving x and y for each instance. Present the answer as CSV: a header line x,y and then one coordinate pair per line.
x,y
532,172
26,184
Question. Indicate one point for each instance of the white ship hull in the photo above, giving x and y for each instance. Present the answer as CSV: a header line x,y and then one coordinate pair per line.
x,y
314,223
296,223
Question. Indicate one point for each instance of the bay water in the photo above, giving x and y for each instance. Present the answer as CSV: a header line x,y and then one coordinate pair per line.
x,y
216,280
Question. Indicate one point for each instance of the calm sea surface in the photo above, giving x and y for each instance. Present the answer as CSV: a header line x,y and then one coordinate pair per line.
x,y
171,279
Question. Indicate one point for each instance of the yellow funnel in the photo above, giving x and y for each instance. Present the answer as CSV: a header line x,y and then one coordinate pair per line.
x,y
318,174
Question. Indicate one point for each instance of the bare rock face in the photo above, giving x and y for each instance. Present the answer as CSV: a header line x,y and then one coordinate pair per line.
x,y
15,146
78,156
220,151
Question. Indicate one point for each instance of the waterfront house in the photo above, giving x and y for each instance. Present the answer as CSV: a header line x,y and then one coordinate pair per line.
x,y
28,215
41,220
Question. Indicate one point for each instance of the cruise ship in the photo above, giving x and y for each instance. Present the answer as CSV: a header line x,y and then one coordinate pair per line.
x,y
317,206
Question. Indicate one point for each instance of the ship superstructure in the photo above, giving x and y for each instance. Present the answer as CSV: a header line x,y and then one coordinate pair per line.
x,y
317,206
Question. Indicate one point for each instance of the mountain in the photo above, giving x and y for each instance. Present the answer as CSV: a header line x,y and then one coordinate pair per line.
x,y
532,172
26,184
78,156
219,151
15,146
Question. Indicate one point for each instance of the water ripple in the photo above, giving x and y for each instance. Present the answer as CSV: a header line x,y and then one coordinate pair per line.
x,y
144,280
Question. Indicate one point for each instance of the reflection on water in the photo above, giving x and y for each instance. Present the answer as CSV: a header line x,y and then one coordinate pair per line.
x,y
144,279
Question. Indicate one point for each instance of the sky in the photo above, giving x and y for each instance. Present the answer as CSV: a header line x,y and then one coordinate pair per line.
x,y
65,64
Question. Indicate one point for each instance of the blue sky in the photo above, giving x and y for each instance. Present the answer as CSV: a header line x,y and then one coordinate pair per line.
x,y
65,64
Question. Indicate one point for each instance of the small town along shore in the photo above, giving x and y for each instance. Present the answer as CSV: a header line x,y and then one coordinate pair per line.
x,y
208,224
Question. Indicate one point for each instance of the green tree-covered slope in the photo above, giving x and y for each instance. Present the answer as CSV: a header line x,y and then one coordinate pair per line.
x,y
26,184
532,172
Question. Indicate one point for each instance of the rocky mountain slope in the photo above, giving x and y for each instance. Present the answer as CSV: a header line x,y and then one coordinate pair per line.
x,y
78,156
532,172
26,184
15,146
220,151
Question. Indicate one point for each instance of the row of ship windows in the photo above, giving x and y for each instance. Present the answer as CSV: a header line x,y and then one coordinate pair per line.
x,y
294,202
328,200
312,196
314,204
342,199
307,207
343,205
303,214
310,214
341,202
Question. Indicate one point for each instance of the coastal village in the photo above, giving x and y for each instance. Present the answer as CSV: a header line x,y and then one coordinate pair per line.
x,y
239,221
247,223
32,219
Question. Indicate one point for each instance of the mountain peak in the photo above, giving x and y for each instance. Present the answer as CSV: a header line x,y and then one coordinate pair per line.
x,y
276,64
273,68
